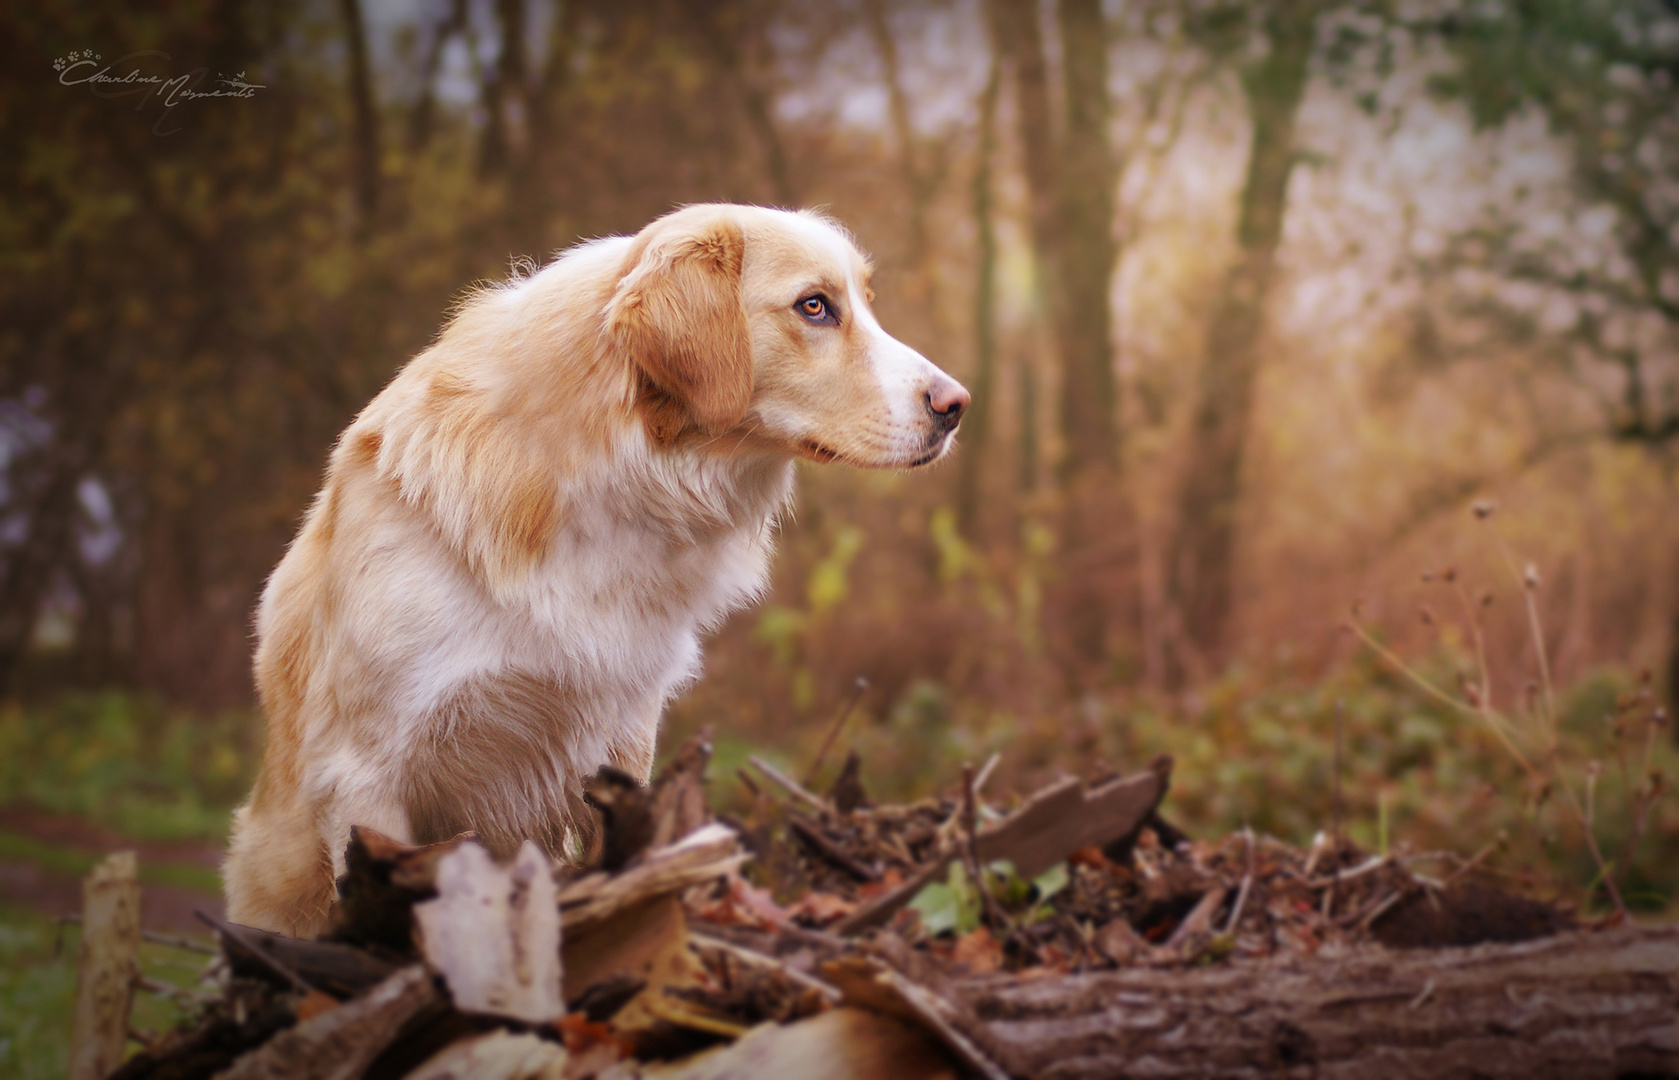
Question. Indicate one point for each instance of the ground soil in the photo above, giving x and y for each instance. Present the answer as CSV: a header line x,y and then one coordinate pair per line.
x,y
52,893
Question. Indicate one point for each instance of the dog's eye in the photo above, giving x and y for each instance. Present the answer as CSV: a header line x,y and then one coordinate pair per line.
x,y
817,309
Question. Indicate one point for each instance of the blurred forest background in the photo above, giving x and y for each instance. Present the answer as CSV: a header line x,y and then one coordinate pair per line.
x,y
1257,301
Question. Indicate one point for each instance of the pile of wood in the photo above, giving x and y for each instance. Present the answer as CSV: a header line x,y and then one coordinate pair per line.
x,y
1074,934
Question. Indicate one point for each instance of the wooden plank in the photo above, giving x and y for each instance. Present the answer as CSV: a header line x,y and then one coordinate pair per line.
x,y
494,934
107,968
341,1043
706,854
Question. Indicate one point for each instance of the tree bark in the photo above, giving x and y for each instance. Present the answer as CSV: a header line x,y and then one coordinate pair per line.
x,y
733,34
366,121
977,429
1071,176
918,181
1071,183
505,95
422,119
1211,489
1088,252
1577,1006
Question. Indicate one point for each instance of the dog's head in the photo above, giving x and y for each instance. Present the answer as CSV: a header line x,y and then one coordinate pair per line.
x,y
754,324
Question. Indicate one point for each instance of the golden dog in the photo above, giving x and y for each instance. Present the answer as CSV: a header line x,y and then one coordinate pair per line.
x,y
521,540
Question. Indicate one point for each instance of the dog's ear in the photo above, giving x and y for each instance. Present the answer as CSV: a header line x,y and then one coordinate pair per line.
x,y
677,314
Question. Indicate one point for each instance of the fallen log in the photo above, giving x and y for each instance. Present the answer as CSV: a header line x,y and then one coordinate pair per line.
x,y
1576,1006
341,1043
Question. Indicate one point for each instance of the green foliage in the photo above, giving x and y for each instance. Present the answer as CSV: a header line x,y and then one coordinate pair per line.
x,y
59,859
828,585
953,904
1413,772
956,905
127,763
38,987
1258,750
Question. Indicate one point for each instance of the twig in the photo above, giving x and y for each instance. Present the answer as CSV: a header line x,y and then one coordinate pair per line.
x,y
1646,802
1247,884
1441,696
752,956
1368,866
685,1015
238,935
1474,861
862,685
1199,920
152,986
1571,800
985,772
150,936
1340,709
1319,843
821,845
1366,921
878,910
786,783
1483,688
970,850
1370,912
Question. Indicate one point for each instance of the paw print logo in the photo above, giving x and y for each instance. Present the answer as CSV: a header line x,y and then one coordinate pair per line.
x,y
75,56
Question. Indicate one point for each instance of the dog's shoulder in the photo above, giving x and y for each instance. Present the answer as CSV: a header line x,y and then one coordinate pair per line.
x,y
483,432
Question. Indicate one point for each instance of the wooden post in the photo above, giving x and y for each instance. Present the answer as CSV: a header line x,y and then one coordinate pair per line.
x,y
107,968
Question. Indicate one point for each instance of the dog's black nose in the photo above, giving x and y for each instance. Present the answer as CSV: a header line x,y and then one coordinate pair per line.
x,y
947,401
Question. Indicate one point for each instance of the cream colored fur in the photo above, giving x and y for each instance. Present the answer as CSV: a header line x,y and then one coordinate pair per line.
x,y
522,539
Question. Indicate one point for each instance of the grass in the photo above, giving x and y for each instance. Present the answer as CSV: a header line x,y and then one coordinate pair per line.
x,y
38,986
128,763
141,771
65,860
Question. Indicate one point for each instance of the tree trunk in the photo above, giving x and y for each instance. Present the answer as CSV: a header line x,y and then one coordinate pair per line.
x,y
918,179
1071,177
1088,253
1071,182
505,95
977,424
1673,660
422,119
366,121
1575,1006
1212,485
733,35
